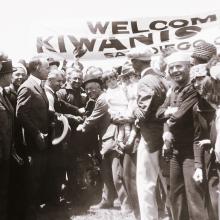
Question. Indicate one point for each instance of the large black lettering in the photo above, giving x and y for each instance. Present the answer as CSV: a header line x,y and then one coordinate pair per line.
x,y
135,29
108,55
183,46
153,25
114,43
147,40
44,43
89,44
209,18
164,35
178,23
98,27
61,44
120,27
197,42
186,32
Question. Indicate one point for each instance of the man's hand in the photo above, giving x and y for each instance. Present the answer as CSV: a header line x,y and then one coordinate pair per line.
x,y
80,128
170,111
81,111
138,114
40,141
198,175
78,119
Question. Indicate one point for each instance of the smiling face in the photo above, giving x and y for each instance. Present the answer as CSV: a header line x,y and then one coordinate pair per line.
x,y
179,72
75,79
18,77
93,90
198,82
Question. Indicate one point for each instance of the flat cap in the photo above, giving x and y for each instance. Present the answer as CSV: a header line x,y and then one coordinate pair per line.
x,y
140,54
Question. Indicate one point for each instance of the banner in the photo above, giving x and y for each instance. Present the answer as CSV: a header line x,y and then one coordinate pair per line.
x,y
113,39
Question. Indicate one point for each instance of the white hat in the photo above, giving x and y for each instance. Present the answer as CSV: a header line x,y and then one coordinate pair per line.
x,y
198,71
177,57
20,65
140,54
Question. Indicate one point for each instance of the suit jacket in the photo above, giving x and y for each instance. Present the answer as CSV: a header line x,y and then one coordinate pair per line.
x,y
32,111
151,94
101,119
6,131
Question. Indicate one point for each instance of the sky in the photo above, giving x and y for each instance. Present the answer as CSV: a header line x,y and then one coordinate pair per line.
x,y
19,16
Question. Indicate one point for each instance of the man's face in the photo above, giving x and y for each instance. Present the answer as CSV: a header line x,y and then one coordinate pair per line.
x,y
75,80
6,79
57,82
93,90
179,71
43,70
198,82
18,77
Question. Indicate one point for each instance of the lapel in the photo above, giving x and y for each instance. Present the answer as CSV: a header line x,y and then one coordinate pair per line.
x,y
39,89
6,103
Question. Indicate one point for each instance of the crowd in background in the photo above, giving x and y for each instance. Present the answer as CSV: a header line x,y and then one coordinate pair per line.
x,y
144,136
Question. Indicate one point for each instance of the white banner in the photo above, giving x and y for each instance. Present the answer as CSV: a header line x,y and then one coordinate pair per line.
x,y
113,39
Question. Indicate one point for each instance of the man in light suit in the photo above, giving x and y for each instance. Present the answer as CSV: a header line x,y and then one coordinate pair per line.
x,y
6,135
111,165
151,93
33,113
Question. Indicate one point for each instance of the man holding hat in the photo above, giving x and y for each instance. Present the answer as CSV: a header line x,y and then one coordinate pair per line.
x,y
6,134
151,92
186,196
111,166
33,113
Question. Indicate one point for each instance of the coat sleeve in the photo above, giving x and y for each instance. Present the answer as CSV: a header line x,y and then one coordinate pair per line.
x,y
198,151
189,99
100,109
145,98
3,130
161,110
65,107
23,110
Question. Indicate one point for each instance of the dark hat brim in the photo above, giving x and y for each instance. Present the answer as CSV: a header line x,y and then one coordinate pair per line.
x,y
92,80
11,71
57,63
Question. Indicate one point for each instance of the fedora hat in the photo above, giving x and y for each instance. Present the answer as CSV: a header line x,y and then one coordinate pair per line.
x,y
6,67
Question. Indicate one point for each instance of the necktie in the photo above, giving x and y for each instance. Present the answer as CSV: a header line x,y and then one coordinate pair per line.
x,y
42,84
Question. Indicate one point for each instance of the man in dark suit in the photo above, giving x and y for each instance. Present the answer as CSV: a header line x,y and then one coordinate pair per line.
x,y
6,135
33,113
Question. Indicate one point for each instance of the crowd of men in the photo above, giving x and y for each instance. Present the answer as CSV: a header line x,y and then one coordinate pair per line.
x,y
145,133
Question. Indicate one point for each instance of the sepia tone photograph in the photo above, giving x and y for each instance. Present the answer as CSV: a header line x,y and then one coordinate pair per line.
x,y
109,110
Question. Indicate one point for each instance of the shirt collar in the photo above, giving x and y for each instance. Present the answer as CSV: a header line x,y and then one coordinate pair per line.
x,y
38,81
49,88
1,90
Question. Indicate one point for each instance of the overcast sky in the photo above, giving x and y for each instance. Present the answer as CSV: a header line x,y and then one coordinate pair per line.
x,y
17,16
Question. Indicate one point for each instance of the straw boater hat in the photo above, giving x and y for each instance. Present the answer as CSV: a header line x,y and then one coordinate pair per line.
x,y
204,51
